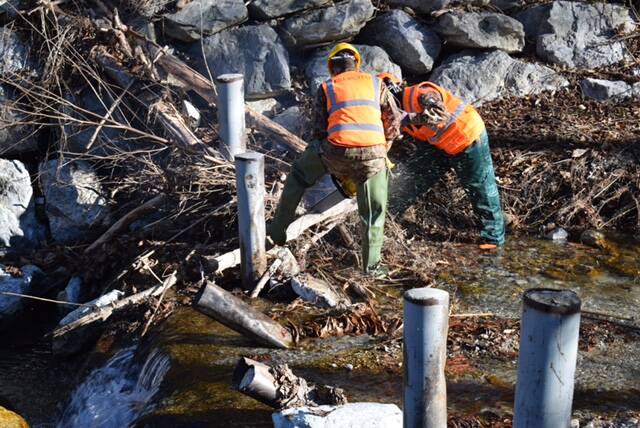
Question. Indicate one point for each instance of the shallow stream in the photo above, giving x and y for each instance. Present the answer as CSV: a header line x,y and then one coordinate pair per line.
x,y
181,376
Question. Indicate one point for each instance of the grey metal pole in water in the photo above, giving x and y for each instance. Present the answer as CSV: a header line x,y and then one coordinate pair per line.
x,y
549,332
426,321
231,114
251,223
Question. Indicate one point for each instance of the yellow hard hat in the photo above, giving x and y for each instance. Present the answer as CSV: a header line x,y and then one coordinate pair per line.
x,y
344,47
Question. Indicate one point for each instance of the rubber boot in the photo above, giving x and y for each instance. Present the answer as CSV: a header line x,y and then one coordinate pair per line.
x,y
372,207
305,171
475,170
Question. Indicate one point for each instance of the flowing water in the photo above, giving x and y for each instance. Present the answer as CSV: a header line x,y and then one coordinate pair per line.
x,y
181,377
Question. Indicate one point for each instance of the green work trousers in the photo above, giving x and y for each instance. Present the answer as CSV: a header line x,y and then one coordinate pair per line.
x,y
474,168
371,198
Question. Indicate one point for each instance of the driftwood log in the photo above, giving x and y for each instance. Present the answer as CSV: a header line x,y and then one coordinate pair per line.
x,y
71,337
241,317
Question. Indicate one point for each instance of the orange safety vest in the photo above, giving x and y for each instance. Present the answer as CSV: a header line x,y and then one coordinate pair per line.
x,y
463,127
353,104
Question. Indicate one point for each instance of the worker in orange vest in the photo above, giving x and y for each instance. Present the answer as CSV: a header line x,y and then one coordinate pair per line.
x,y
356,121
456,138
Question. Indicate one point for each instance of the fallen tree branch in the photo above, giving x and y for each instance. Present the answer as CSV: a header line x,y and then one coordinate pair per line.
x,y
125,221
266,276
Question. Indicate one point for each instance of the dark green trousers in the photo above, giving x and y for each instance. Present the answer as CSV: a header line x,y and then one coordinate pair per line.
x,y
371,197
473,167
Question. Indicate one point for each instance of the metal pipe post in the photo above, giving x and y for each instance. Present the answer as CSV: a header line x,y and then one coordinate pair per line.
x,y
549,332
251,223
426,321
231,114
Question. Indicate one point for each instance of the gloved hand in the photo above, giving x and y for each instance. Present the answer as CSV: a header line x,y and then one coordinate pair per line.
x,y
434,112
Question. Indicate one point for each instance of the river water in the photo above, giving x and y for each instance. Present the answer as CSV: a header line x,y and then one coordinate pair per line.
x,y
181,376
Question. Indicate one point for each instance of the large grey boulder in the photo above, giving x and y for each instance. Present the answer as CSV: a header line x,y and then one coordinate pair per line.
x,y
253,50
90,108
16,136
410,43
374,60
321,26
293,120
15,57
19,228
74,199
22,283
481,30
605,90
267,9
422,6
578,34
479,77
352,415
204,17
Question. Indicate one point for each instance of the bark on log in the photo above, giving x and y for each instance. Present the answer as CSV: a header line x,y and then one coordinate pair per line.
x,y
239,316
206,89
125,221
72,337
295,229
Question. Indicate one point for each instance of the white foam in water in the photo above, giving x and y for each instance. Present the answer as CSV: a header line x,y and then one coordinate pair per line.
x,y
117,394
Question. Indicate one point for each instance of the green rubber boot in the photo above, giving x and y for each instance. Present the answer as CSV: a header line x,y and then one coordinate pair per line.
x,y
305,171
372,207
475,170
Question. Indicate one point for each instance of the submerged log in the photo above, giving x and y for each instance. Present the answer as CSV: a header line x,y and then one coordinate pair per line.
x,y
239,316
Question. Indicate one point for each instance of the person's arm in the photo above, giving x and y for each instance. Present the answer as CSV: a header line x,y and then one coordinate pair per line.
x,y
320,116
391,115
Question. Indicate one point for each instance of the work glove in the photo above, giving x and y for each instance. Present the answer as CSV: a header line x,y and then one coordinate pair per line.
x,y
434,112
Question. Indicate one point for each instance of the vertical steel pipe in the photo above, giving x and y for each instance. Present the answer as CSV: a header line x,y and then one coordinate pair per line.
x,y
231,114
251,223
549,332
426,322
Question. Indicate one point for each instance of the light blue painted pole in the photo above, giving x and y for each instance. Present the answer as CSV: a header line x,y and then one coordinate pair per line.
x,y
426,322
549,332
251,223
231,114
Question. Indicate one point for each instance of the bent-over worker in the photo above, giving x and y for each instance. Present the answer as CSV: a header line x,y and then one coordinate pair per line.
x,y
356,119
456,138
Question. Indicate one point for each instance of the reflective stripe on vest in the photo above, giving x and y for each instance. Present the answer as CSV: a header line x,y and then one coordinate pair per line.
x,y
459,132
353,104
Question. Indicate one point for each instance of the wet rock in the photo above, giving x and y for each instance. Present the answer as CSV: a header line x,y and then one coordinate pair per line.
x,y
374,60
479,77
204,17
253,50
606,90
558,234
411,44
293,119
325,25
578,34
318,292
265,107
370,415
19,228
21,283
72,293
267,9
9,419
15,55
593,238
74,199
481,30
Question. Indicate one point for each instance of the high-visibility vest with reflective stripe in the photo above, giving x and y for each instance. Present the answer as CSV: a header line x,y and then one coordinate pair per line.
x,y
463,127
353,104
